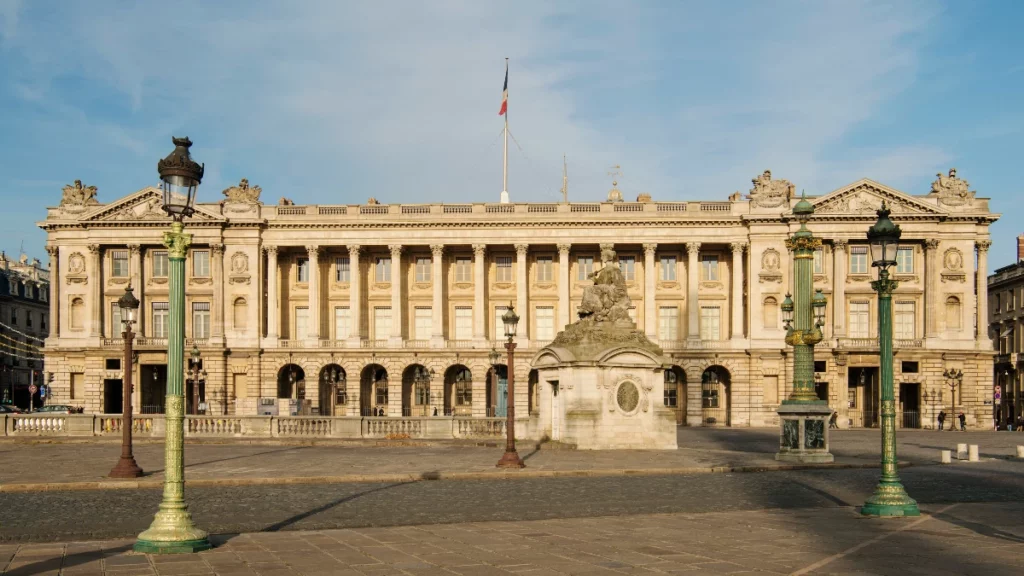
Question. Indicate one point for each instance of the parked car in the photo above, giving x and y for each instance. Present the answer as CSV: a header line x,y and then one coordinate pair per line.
x,y
10,409
56,409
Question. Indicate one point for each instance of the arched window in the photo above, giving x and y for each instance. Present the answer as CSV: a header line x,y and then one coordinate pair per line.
x,y
954,314
77,313
464,388
771,313
241,314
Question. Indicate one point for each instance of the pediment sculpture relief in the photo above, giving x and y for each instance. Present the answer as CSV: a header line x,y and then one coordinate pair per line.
x,y
77,196
768,193
952,191
864,200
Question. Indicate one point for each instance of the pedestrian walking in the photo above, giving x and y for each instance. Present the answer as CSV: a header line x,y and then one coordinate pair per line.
x,y
963,422
832,420
942,418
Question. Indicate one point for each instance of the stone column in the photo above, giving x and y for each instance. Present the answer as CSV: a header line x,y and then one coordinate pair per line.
x,y
563,287
313,327
54,251
135,270
479,310
737,289
522,294
355,301
839,267
981,278
437,310
931,288
273,314
692,287
96,255
650,287
396,299
217,331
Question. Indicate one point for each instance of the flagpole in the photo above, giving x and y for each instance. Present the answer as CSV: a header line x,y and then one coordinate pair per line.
x,y
504,162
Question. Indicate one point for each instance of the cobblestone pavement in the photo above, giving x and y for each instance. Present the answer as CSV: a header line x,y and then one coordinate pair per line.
x,y
699,447
965,539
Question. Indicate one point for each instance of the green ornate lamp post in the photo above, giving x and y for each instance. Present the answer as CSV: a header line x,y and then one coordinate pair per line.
x,y
803,417
510,459
172,531
890,498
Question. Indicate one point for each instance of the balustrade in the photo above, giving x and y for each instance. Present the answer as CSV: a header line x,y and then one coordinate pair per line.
x,y
303,427
393,427
38,425
480,427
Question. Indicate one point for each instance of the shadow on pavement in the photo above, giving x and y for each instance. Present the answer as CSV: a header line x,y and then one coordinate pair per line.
x,y
284,524
53,565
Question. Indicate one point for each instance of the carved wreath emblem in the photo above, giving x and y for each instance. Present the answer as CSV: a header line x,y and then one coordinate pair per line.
x,y
770,259
239,262
953,260
76,263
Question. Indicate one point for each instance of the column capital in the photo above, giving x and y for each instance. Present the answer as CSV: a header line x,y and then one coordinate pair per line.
x,y
738,246
133,248
270,249
839,244
53,250
522,249
982,246
437,250
217,249
650,248
313,250
931,244
93,249
692,248
353,251
564,247
396,250
479,250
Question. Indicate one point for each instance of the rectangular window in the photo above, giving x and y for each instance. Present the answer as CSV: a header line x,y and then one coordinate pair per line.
x,y
423,321
119,263
201,264
858,259
200,319
463,323
42,322
668,268
381,322
302,270
160,317
709,268
504,272
423,269
668,323
382,270
28,319
499,326
342,323
341,270
585,267
29,292
545,269
301,323
819,261
160,264
710,323
14,316
77,386
628,266
463,269
544,331
905,260
43,295
859,320
115,320
903,327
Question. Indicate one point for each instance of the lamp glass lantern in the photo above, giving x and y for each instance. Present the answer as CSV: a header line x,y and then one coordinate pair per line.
x,y
511,321
180,177
195,353
787,309
494,356
884,238
819,302
129,306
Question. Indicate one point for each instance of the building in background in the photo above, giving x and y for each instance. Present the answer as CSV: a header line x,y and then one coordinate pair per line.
x,y
24,324
392,309
1006,327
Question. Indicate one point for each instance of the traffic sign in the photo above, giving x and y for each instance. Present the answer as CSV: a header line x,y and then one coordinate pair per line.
x,y
32,389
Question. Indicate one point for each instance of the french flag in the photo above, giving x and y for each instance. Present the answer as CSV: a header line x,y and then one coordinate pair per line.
x,y
504,94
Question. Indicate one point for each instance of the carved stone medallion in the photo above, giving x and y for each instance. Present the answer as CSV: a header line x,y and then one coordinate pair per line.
x,y
239,268
953,260
627,396
76,269
770,259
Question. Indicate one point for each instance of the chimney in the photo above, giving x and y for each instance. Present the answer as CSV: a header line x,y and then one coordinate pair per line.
x,y
1020,248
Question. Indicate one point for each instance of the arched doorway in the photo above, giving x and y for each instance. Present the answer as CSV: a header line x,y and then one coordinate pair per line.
x,y
497,391
333,391
373,391
675,392
714,396
416,394
291,382
533,393
458,391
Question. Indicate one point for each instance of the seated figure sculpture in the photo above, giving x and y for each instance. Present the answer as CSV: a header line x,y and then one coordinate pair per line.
x,y
607,300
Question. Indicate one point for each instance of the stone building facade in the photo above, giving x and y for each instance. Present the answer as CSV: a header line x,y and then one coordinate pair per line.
x,y
393,308
1006,327
24,318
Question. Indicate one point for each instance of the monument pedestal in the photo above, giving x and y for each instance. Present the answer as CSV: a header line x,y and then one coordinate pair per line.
x,y
803,433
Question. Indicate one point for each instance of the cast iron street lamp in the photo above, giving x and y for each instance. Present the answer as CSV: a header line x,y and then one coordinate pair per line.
x,y
494,356
804,434
511,458
953,378
196,375
172,531
126,466
890,498
421,378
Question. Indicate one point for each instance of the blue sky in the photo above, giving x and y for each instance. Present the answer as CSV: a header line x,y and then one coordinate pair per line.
x,y
334,102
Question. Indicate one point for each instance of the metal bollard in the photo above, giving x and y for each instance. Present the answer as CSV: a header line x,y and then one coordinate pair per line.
x,y
961,451
973,453
947,456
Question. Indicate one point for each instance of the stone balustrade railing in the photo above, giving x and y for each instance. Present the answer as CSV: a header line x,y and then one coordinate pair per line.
x,y
227,427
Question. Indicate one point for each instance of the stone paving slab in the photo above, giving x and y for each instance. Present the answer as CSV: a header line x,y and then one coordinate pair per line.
x,y
948,539
28,466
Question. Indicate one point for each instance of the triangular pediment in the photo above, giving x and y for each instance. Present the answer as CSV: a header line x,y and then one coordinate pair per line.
x,y
865,197
142,206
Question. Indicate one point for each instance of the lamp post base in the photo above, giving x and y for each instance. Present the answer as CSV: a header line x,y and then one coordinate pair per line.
x,y
126,468
179,547
172,532
890,500
804,433
511,460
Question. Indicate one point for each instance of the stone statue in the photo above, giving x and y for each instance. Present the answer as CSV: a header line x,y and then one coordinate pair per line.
x,y
285,202
243,193
768,193
952,191
78,195
607,299
372,201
